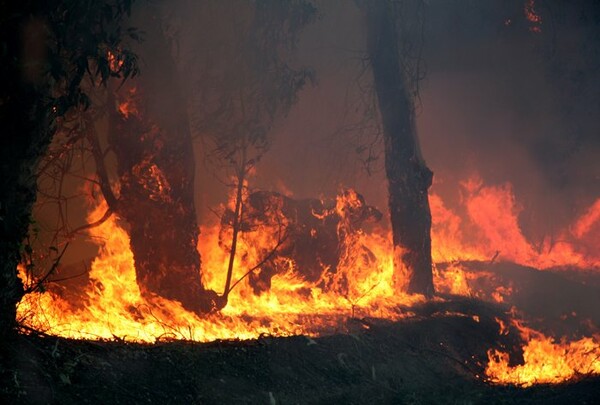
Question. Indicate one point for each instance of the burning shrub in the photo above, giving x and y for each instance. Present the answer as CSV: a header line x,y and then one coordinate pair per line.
x,y
313,234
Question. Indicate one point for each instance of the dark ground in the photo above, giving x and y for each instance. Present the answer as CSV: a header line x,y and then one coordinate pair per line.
x,y
436,357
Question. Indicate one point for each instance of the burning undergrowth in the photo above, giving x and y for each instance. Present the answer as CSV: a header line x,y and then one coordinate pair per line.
x,y
304,267
324,291
433,357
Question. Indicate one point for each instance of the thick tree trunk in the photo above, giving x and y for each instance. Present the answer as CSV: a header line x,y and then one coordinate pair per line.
x,y
408,176
17,195
155,161
26,134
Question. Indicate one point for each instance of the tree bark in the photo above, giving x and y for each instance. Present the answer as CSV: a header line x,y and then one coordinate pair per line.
x,y
408,176
156,167
26,135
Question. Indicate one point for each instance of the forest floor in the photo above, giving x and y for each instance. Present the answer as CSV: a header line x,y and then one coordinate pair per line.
x,y
437,356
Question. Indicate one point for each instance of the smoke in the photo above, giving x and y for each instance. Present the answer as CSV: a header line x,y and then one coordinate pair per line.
x,y
502,98
498,99
515,104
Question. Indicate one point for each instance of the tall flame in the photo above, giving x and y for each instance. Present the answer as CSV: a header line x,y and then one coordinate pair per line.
x,y
494,213
115,307
363,284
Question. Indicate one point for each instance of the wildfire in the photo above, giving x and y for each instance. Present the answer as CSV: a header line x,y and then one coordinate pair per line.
x,y
115,307
362,285
494,213
545,360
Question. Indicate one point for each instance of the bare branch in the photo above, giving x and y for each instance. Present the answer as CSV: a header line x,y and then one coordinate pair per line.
x,y
263,261
94,224
40,281
99,155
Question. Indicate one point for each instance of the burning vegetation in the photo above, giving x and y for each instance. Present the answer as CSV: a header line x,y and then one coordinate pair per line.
x,y
164,215
303,267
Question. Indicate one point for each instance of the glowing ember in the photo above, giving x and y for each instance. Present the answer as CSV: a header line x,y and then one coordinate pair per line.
x,y
129,106
535,20
114,62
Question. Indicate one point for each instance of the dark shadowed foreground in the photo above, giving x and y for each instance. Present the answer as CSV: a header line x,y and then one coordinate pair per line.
x,y
436,357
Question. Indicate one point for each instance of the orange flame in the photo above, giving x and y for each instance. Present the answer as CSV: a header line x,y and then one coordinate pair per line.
x,y
588,221
363,284
494,213
129,106
115,306
545,360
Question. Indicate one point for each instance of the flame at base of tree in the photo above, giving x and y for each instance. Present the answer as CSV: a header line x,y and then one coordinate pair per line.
x,y
114,306
363,285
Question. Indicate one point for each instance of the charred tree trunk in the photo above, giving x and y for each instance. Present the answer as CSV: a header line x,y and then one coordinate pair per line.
x,y
25,138
27,129
408,176
155,159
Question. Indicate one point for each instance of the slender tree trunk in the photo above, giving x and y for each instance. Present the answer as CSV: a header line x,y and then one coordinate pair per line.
x,y
236,228
156,166
408,176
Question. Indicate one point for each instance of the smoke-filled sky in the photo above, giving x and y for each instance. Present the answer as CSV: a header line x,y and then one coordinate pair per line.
x,y
507,96
499,98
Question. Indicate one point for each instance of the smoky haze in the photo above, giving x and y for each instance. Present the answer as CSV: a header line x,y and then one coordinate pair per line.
x,y
499,99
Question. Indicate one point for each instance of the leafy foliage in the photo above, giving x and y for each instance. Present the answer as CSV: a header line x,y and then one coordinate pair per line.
x,y
54,44
47,47
245,77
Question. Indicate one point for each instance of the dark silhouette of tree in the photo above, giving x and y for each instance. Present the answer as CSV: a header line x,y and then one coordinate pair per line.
x,y
408,176
156,167
48,48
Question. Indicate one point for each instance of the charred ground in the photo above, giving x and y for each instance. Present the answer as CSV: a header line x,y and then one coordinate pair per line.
x,y
534,66
438,355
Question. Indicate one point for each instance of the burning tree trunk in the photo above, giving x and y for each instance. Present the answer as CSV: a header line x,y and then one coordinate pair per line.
x,y
152,142
408,176
47,49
